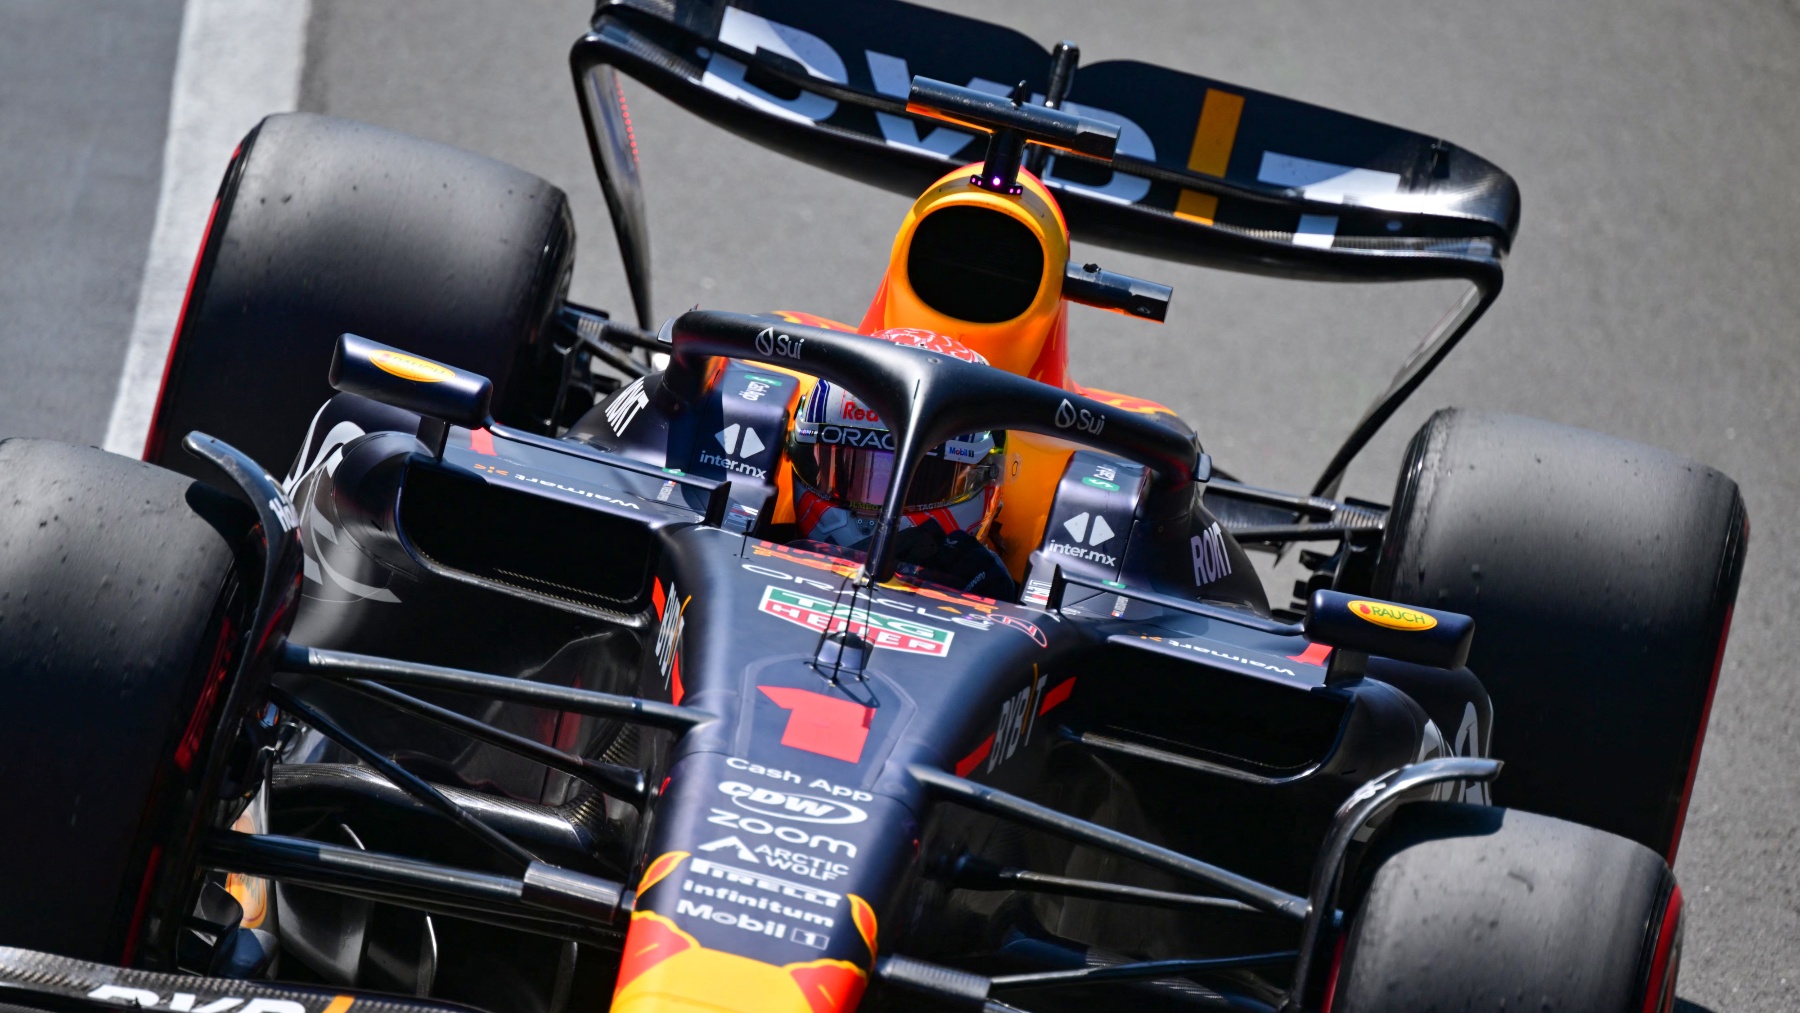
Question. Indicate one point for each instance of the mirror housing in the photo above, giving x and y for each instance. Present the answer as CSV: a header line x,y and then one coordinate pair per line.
x,y
1402,632
443,394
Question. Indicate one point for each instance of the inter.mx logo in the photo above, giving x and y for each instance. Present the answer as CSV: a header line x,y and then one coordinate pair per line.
x,y
1097,533
827,616
741,443
748,445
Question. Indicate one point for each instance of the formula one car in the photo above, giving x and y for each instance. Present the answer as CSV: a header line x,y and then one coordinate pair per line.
x,y
766,662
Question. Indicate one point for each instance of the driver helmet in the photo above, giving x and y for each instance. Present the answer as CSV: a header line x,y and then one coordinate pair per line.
x,y
843,458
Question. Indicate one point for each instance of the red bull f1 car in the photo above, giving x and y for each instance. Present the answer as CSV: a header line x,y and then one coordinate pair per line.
x,y
758,662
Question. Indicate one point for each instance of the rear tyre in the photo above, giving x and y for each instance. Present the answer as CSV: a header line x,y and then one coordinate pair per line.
x,y
1479,908
324,226
117,597
1601,575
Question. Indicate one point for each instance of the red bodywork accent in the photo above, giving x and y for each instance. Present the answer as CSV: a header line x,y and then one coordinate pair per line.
x,y
828,987
153,440
652,942
625,114
1053,697
198,722
1659,990
1056,695
1315,654
1687,788
143,904
822,724
482,442
968,763
864,917
1337,964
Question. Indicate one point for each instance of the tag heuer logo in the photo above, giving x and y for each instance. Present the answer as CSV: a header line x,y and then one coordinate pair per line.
x,y
826,616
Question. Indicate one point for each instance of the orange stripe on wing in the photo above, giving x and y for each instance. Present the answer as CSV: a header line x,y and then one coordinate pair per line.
x,y
1214,137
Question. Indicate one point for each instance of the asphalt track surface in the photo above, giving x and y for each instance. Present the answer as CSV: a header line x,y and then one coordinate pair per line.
x,y
84,102
1649,295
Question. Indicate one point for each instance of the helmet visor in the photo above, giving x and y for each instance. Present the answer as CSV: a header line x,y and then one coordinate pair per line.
x,y
846,454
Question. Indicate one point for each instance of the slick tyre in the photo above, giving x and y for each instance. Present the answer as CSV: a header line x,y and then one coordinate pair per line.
x,y
324,226
1480,908
118,593
1601,575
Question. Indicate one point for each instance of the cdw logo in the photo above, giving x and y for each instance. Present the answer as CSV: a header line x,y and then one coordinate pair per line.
x,y
791,805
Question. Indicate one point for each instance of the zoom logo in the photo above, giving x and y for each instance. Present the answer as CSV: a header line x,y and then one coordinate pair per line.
x,y
784,346
1070,417
789,805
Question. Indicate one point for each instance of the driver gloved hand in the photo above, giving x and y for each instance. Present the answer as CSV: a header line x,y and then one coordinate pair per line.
x,y
957,559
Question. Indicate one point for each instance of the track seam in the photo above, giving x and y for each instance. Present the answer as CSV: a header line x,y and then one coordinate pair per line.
x,y
238,61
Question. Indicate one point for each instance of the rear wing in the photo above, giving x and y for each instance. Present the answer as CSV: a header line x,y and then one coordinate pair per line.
x,y
1205,172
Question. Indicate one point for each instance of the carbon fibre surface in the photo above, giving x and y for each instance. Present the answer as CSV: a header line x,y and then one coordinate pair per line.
x,y
64,983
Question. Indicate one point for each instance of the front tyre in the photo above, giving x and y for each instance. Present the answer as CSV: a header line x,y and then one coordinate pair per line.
x,y
1601,575
120,615
325,226
1479,908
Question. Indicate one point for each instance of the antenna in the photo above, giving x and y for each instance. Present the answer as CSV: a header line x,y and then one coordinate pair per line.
x,y
1063,60
1013,122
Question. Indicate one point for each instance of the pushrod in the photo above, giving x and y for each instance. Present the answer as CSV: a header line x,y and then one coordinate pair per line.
x,y
345,666
998,803
402,778
619,781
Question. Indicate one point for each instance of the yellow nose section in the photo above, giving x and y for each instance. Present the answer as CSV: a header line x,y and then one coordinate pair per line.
x,y
665,970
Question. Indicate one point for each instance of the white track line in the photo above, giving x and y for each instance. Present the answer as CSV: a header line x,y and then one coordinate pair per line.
x,y
239,61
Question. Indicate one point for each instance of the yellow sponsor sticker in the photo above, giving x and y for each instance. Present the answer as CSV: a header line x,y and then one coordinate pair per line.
x,y
410,367
1394,617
